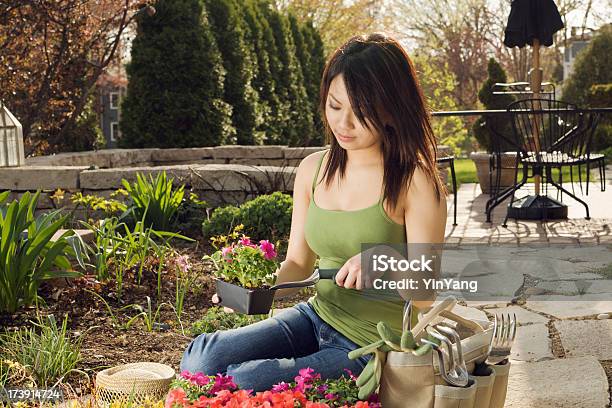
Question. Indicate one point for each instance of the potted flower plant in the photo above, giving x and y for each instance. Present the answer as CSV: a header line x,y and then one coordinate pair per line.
x,y
245,275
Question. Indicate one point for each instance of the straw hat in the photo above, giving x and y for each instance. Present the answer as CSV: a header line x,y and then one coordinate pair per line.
x,y
136,381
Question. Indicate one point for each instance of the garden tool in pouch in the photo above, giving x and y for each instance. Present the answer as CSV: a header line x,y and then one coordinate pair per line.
x,y
410,374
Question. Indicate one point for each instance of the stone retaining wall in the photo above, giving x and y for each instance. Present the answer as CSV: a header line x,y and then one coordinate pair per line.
x,y
230,154
219,175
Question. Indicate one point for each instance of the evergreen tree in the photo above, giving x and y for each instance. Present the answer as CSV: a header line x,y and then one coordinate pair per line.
x,y
592,66
279,117
303,58
290,81
263,82
175,81
225,22
314,71
501,124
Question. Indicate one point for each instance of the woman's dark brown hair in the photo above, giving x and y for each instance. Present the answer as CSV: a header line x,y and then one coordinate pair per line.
x,y
383,88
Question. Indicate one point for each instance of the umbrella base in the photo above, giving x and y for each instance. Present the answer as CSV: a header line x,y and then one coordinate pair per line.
x,y
537,208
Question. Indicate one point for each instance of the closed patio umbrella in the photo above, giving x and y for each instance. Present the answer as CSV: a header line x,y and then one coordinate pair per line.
x,y
533,22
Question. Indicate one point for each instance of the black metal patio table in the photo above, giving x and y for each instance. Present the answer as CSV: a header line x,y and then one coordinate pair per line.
x,y
573,128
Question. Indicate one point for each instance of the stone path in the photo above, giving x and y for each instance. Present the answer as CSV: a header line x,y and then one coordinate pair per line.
x,y
561,293
559,366
473,228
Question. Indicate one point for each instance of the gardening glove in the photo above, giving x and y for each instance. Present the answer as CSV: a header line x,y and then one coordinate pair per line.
x,y
369,379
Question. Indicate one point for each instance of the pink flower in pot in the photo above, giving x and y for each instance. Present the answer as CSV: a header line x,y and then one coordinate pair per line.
x,y
268,249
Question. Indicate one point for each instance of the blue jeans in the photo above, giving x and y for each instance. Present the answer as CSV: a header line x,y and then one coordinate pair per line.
x,y
273,350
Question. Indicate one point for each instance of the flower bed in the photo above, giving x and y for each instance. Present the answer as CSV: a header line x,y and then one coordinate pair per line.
x,y
308,390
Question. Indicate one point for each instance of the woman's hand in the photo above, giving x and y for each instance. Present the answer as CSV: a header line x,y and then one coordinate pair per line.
x,y
349,275
216,300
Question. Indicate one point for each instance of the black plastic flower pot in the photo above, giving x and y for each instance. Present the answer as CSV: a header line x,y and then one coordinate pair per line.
x,y
256,300
243,300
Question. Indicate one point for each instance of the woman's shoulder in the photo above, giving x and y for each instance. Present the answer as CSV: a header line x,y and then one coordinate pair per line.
x,y
310,163
308,166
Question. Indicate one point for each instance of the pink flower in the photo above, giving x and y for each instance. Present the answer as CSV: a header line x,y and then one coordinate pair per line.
x,y
267,248
182,262
223,383
227,251
308,374
350,373
330,396
280,387
246,241
200,379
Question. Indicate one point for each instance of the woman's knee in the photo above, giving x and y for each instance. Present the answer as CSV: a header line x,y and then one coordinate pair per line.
x,y
202,355
256,375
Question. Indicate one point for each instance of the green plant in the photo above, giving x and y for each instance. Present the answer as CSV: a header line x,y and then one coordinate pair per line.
x,y
45,350
92,202
149,317
118,249
266,216
184,279
28,255
154,200
245,262
605,271
216,319
105,245
190,214
4,196
226,26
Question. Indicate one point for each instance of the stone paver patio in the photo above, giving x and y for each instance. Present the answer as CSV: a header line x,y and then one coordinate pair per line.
x,y
564,343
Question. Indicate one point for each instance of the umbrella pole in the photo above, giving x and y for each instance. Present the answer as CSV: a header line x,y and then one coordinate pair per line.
x,y
536,82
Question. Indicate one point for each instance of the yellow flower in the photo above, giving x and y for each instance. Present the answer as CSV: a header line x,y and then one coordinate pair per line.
x,y
58,195
119,191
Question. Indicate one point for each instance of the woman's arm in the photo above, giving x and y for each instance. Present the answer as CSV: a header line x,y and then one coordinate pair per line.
x,y
425,216
300,259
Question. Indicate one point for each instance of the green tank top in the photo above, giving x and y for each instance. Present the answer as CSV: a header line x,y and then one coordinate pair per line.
x,y
335,236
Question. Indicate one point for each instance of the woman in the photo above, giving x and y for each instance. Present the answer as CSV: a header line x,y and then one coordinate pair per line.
x,y
381,147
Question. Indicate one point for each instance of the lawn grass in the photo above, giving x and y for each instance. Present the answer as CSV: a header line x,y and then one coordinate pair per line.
x,y
465,171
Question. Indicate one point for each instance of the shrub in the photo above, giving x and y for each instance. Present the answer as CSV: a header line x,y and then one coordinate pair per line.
x,y
221,221
155,200
600,96
265,217
501,124
28,255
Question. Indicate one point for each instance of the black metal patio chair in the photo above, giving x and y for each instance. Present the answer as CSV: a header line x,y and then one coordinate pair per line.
x,y
547,134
